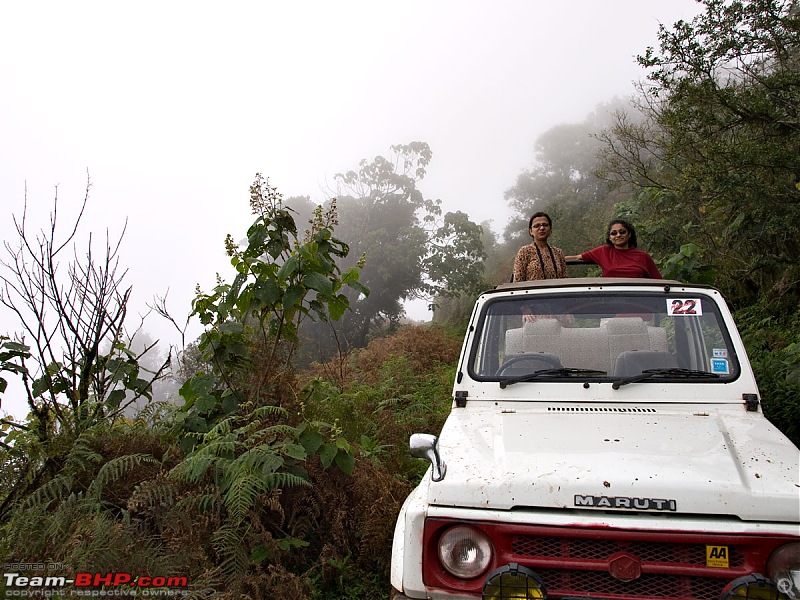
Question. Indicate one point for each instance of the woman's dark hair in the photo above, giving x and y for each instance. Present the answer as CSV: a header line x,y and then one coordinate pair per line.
x,y
626,225
539,214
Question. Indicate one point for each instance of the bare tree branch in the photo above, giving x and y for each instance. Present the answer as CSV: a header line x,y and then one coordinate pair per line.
x,y
73,310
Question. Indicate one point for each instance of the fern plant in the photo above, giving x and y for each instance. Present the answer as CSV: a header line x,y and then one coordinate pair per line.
x,y
232,470
78,510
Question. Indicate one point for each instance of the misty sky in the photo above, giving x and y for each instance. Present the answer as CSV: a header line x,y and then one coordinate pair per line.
x,y
172,107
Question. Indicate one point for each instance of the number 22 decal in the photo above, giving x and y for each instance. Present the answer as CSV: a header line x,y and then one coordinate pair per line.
x,y
688,307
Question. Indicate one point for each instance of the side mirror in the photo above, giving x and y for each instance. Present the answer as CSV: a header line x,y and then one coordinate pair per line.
x,y
424,445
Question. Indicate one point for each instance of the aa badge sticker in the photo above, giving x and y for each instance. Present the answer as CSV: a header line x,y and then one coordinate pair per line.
x,y
717,556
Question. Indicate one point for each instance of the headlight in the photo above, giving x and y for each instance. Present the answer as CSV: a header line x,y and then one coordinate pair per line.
x,y
783,567
752,587
465,552
513,582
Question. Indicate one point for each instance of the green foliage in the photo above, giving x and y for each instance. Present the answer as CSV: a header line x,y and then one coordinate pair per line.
x,y
12,359
716,154
719,150
280,280
243,459
107,495
244,449
412,249
454,263
774,352
73,354
563,183
349,582
683,266
78,511
394,387
73,358
252,487
323,402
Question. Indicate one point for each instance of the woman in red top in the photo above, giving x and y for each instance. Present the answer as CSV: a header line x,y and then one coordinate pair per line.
x,y
618,257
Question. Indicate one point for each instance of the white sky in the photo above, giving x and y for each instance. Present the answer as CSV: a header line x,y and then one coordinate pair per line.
x,y
172,107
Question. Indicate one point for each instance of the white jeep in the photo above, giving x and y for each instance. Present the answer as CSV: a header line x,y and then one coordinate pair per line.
x,y
605,441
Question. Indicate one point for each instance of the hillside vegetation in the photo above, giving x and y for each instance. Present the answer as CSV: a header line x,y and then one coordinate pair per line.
x,y
279,468
265,482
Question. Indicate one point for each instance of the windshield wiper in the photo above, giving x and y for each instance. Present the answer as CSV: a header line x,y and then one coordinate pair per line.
x,y
561,372
672,372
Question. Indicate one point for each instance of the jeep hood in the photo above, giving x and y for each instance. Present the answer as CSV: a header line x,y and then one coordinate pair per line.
x,y
635,460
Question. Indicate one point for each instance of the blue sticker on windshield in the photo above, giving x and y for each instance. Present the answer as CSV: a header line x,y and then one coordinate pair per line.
x,y
719,365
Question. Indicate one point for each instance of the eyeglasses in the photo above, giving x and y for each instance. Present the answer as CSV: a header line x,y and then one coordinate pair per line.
x,y
539,226
614,232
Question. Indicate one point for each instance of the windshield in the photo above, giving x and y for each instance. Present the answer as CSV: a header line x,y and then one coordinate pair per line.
x,y
609,336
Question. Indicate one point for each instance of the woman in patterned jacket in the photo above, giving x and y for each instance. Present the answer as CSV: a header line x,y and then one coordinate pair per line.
x,y
539,260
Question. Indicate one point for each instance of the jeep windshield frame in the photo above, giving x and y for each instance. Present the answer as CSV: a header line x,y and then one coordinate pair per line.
x,y
608,335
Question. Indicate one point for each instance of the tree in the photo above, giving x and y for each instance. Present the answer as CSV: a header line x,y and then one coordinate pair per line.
x,y
717,160
74,353
718,156
281,279
240,437
214,512
411,249
563,183
73,319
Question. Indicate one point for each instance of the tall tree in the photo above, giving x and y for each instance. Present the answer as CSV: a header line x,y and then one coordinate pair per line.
x,y
718,157
563,182
410,248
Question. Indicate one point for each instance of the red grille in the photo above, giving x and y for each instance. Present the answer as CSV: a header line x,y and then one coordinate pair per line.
x,y
602,585
599,549
576,561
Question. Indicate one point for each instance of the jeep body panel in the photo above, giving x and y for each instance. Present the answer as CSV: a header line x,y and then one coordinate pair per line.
x,y
711,462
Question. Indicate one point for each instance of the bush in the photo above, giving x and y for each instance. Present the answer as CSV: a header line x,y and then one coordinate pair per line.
x,y
396,386
775,356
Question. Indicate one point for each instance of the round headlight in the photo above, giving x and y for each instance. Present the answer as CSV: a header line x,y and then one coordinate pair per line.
x,y
752,587
513,582
465,552
783,567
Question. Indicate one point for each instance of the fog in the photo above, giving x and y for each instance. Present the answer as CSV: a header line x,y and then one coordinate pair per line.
x,y
171,108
